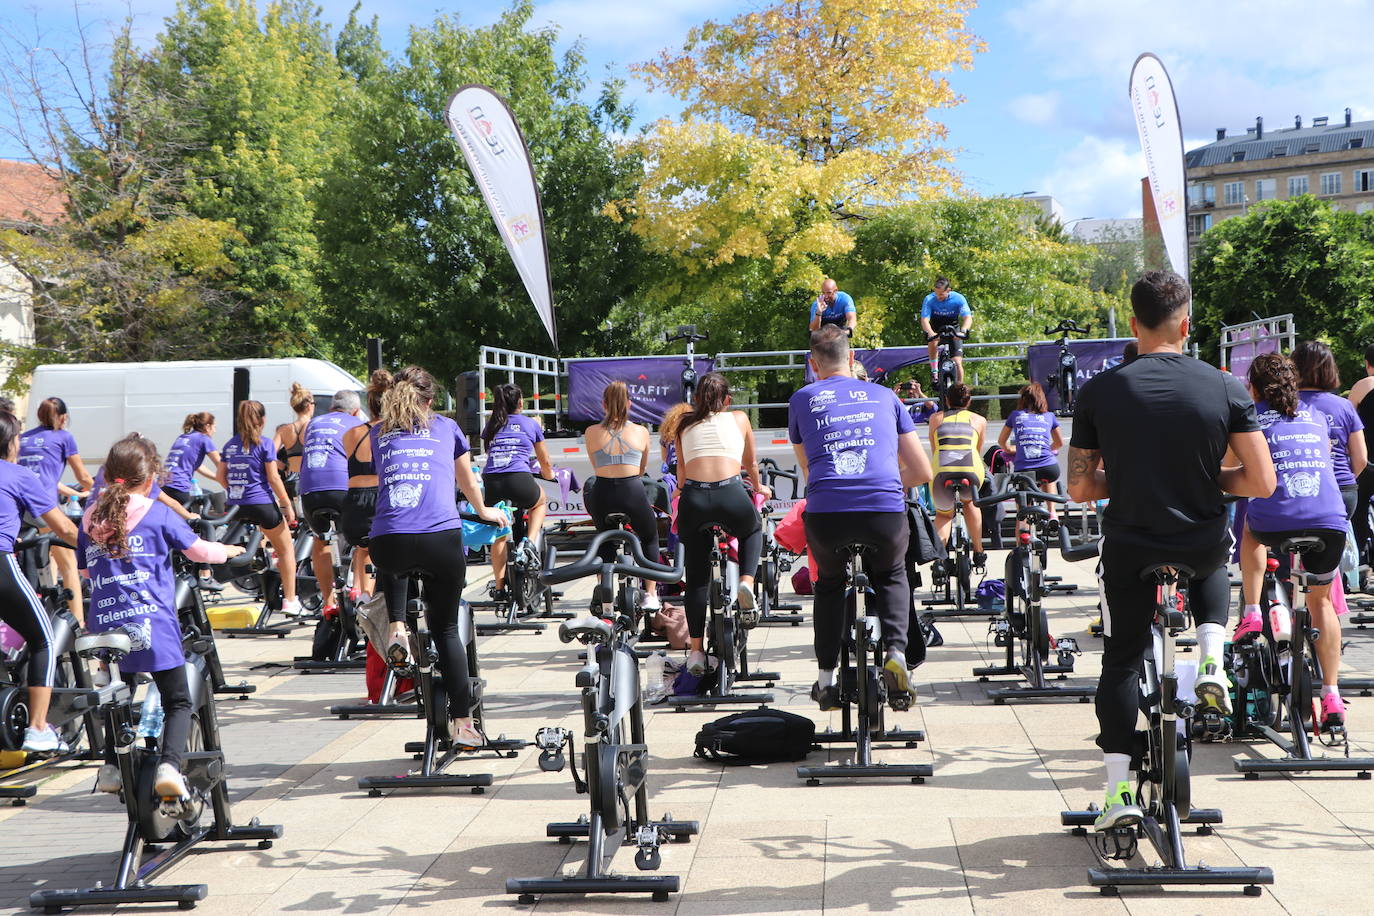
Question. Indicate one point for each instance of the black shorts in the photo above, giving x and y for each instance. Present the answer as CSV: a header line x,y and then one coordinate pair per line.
x,y
1321,565
359,507
265,515
1048,474
956,345
315,503
181,496
520,489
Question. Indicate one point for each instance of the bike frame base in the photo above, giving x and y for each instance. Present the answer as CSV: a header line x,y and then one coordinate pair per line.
x,y
18,795
908,737
1363,767
240,690
916,772
659,886
496,629
1000,695
1363,685
307,665
941,609
364,710
501,747
682,704
376,785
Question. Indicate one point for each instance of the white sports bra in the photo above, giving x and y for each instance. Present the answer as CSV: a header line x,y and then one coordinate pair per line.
x,y
718,436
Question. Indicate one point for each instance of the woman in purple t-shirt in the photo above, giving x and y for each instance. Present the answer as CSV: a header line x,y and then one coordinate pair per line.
x,y
1305,503
515,446
419,457
1318,382
1038,440
250,474
187,453
47,450
125,546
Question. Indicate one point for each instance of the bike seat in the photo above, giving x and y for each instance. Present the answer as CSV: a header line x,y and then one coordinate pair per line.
x,y
618,520
1163,572
112,642
714,530
585,628
1302,544
857,548
328,513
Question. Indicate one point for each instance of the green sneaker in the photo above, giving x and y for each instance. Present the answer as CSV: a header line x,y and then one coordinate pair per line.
x,y
1212,686
1119,810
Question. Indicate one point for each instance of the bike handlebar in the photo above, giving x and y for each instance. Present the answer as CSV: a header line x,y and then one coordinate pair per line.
x,y
948,332
1020,495
590,563
686,332
35,541
1081,551
1067,326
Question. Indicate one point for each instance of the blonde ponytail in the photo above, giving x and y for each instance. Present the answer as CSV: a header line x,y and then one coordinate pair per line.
x,y
406,404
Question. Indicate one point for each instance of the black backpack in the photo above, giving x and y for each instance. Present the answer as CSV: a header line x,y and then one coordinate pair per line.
x,y
756,736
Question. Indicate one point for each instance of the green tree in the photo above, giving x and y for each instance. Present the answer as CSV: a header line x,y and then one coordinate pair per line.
x,y
1298,256
410,252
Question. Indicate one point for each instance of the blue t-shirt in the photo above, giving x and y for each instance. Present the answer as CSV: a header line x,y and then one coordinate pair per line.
x,y
834,313
416,487
1034,434
512,448
187,453
45,452
245,467
1343,420
954,306
137,594
849,429
324,466
20,492
1307,495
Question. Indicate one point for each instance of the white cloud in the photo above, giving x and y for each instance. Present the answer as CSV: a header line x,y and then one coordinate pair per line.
x,y
1099,177
1035,108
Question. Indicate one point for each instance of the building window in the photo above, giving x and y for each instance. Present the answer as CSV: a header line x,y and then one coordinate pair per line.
x,y
1278,152
1364,180
1297,184
1199,224
1233,193
1312,148
1331,183
1238,156
1265,188
1356,143
1200,195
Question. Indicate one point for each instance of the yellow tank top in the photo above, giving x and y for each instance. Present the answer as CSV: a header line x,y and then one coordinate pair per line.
x,y
956,445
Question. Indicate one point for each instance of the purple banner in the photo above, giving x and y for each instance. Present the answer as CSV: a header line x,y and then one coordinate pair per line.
x,y
884,362
1244,349
1093,356
655,384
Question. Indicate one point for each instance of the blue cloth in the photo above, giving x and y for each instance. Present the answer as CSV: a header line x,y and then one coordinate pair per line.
x,y
834,314
954,306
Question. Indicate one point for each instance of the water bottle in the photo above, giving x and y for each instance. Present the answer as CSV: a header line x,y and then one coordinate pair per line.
x,y
1280,623
195,488
150,718
654,688
73,506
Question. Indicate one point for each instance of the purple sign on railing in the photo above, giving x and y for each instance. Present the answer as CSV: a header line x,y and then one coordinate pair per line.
x,y
1243,348
655,384
884,362
1093,356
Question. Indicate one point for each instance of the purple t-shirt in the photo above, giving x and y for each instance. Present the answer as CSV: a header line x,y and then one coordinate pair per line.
x,y
187,453
1034,434
246,469
1343,420
45,452
512,448
849,430
416,491
20,492
325,465
1307,495
137,595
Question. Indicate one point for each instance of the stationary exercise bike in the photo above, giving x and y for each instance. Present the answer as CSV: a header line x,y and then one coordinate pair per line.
x,y
438,752
775,561
946,371
1276,686
1164,788
862,691
954,574
687,332
526,595
172,826
190,602
727,636
615,756
1025,621
1065,378
338,644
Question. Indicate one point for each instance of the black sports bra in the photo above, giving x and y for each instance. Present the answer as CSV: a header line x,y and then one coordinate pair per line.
x,y
296,451
356,466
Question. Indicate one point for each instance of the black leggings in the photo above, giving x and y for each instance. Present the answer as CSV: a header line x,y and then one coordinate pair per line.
x,y
827,533
624,496
1128,606
21,609
175,690
725,503
1363,494
437,558
521,490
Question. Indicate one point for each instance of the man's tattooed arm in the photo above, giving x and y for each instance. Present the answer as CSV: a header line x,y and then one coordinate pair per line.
x,y
1087,480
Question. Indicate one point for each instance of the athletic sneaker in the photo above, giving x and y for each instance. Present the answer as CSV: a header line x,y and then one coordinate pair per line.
x,y
330,611
1333,710
398,654
108,779
1212,686
46,741
469,735
980,560
827,697
498,595
211,585
169,783
1119,810
291,607
896,680
696,663
745,609
1251,625
652,603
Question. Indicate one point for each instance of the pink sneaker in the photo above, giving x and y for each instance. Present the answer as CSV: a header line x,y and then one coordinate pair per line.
x,y
1250,625
1333,710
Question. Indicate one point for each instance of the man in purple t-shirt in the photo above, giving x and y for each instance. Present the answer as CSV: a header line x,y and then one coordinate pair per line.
x,y
851,438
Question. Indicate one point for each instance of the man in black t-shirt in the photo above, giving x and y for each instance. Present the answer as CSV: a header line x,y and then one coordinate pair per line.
x,y
1150,436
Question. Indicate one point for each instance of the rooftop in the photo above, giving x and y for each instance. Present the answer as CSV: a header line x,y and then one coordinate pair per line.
x,y
1258,143
28,193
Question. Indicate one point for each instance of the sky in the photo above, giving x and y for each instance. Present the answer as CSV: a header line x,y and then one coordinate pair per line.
x,y
1045,106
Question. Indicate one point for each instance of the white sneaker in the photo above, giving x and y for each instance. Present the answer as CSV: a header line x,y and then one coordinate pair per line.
x,y
108,779
696,663
46,741
169,783
291,607
652,603
100,677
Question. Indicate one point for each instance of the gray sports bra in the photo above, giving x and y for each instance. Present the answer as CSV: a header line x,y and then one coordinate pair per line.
x,y
603,458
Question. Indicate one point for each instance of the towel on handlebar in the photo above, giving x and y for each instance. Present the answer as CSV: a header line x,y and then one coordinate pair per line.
x,y
479,534
567,482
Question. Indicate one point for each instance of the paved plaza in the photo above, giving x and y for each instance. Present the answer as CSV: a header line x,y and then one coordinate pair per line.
x,y
981,836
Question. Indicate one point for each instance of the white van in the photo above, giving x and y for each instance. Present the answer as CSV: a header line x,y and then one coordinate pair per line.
x,y
109,400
